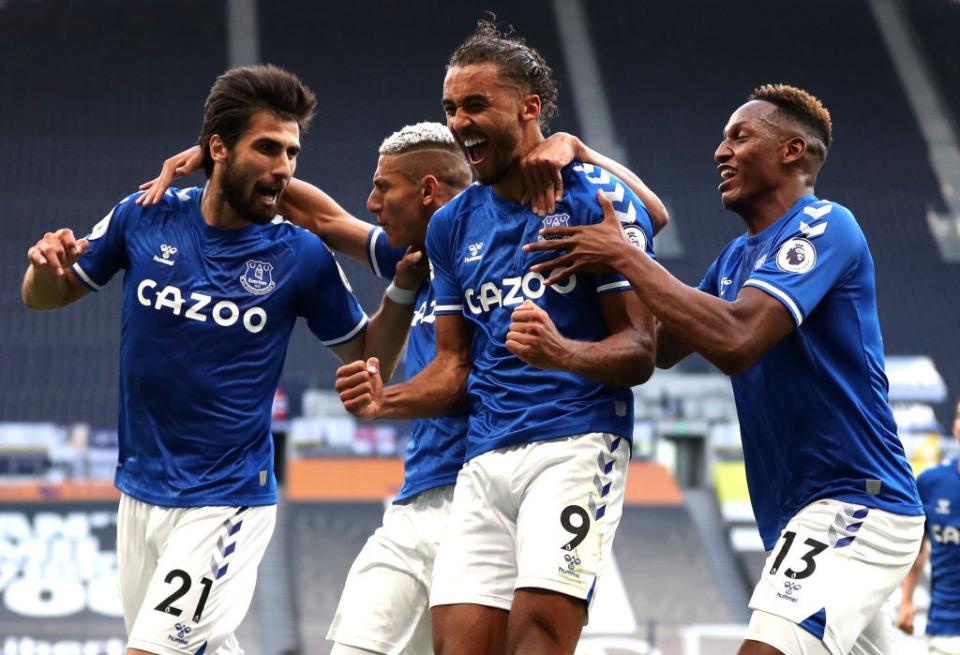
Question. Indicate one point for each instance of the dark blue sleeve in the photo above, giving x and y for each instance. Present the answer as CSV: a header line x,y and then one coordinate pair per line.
x,y
810,259
107,253
326,299
709,281
382,256
633,216
439,244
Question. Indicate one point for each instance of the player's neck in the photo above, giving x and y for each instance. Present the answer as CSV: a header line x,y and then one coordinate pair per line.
x,y
768,209
511,185
217,212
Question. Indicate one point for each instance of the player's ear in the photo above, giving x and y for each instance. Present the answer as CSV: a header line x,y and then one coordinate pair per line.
x,y
530,107
794,149
429,189
218,149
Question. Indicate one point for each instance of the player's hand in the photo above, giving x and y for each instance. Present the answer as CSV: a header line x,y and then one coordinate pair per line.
x,y
361,388
56,252
411,270
590,248
534,338
908,612
541,171
180,165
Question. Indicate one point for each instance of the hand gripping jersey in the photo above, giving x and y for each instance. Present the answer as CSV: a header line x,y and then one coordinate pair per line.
x,y
435,451
940,493
207,314
474,246
813,411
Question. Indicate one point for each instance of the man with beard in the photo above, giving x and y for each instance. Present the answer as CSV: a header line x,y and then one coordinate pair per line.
x,y
789,311
548,382
213,285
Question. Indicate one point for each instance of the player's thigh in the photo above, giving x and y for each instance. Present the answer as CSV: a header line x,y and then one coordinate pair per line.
x,y
570,513
384,606
544,622
469,629
204,580
833,567
136,554
476,559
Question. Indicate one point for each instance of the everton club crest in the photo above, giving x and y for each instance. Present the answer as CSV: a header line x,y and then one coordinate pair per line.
x,y
555,220
256,277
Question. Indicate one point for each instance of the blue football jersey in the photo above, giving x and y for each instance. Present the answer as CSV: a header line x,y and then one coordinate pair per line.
x,y
480,271
940,493
814,416
206,317
435,451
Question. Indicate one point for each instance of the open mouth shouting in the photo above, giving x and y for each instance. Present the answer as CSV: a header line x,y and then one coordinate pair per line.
x,y
476,149
727,173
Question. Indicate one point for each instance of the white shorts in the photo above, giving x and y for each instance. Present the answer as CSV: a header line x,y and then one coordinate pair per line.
x,y
187,574
939,645
384,605
830,573
540,515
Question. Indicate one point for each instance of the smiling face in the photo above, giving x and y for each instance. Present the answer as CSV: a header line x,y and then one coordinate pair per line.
x,y
258,167
397,201
749,157
484,114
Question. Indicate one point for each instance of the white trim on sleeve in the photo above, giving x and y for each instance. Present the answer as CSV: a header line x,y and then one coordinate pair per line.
x,y
349,335
449,308
619,284
374,235
779,295
86,278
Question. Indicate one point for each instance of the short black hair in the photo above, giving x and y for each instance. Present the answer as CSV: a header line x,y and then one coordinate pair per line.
x,y
516,60
240,93
801,107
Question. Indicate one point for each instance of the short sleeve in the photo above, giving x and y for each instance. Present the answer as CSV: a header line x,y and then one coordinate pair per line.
x,y
631,211
326,299
382,256
709,282
448,294
805,263
107,252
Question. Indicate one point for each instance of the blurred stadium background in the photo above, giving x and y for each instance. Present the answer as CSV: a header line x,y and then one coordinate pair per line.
x,y
95,94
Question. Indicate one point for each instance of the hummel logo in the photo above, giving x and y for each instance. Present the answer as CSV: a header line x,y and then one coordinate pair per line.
x,y
818,212
168,251
475,249
943,506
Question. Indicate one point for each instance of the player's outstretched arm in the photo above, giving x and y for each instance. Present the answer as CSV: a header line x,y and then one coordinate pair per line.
x,y
49,283
302,203
908,610
731,335
179,165
440,388
312,209
541,170
623,359
386,335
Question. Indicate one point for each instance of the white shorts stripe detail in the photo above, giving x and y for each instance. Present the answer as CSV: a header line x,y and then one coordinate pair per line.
x,y
86,278
349,335
777,293
621,284
373,251
449,308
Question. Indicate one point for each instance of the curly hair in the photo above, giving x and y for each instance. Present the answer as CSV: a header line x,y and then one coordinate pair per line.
x,y
239,93
801,107
516,60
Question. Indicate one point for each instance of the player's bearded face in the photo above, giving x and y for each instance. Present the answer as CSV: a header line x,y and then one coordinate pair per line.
x,y
242,191
482,113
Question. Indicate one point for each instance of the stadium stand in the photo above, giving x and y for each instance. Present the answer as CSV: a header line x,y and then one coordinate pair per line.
x,y
936,24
